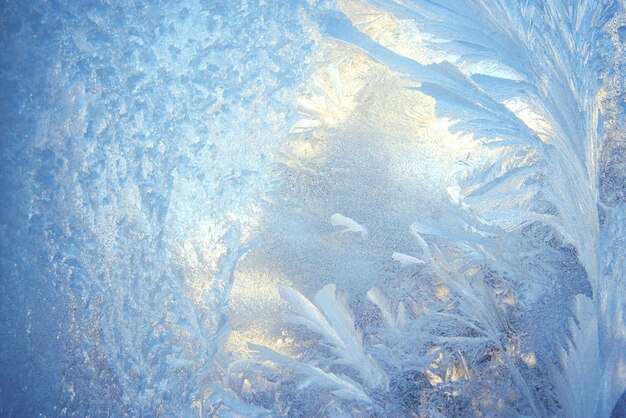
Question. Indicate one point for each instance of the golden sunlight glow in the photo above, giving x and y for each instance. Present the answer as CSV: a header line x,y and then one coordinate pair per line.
x,y
433,379
529,359
400,36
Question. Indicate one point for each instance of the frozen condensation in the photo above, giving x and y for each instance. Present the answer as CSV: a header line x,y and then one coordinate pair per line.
x,y
312,208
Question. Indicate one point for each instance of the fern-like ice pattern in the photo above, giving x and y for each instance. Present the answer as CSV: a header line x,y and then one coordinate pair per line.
x,y
313,208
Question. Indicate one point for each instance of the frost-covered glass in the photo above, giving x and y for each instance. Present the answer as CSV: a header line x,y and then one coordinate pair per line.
x,y
313,208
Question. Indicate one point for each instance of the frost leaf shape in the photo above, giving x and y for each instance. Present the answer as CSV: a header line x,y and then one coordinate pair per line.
x,y
350,225
378,298
332,319
405,259
341,386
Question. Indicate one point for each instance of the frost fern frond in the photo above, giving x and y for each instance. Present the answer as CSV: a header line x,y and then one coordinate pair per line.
x,y
332,319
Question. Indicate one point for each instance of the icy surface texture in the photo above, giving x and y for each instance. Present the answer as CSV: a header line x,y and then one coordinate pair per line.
x,y
138,141
302,208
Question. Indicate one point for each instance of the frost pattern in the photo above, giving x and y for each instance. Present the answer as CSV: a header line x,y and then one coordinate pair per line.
x,y
521,242
431,192
138,142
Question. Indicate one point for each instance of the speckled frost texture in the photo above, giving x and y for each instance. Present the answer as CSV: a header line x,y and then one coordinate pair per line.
x,y
312,208
138,142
